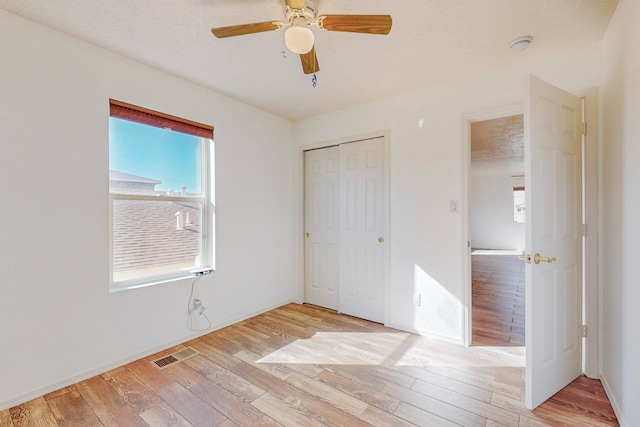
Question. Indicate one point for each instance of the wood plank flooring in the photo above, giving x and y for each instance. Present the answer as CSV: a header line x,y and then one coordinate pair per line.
x,y
498,299
301,365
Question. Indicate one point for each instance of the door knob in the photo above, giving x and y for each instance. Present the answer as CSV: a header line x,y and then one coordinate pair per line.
x,y
537,259
308,235
380,239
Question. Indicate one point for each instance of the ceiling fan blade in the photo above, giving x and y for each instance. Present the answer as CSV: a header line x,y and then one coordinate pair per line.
x,y
310,62
369,24
295,4
239,30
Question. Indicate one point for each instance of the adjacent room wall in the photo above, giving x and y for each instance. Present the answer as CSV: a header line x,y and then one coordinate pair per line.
x,y
58,321
491,209
427,133
620,208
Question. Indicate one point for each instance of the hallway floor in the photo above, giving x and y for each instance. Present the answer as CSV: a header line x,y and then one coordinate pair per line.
x,y
498,299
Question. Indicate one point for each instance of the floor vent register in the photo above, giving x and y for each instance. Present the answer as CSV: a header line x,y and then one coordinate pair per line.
x,y
179,356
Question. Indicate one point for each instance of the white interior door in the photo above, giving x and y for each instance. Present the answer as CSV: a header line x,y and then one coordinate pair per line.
x,y
321,227
362,229
553,147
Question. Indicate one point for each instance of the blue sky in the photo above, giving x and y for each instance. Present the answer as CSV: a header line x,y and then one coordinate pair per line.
x,y
161,154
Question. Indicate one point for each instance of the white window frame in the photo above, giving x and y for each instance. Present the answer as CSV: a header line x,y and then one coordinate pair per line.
x,y
513,196
207,222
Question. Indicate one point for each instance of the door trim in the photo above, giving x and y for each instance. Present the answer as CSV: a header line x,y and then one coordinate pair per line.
x,y
591,199
298,226
467,119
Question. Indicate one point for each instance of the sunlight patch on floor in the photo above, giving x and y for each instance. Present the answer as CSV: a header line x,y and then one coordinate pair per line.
x,y
390,349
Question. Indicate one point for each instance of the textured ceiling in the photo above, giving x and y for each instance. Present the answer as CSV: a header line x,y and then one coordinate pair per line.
x,y
431,41
497,147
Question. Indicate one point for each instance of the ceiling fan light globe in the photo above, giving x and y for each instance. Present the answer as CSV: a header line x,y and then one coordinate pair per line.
x,y
299,39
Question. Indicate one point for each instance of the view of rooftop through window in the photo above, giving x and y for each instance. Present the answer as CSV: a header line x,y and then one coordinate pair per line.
x,y
158,199
519,208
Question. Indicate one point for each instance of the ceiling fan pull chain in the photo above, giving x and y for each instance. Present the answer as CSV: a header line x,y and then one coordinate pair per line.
x,y
314,80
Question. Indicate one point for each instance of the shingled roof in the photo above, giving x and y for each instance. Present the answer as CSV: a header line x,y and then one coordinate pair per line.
x,y
123,180
153,237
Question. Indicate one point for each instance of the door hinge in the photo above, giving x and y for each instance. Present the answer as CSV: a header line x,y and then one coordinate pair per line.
x,y
584,128
584,230
584,331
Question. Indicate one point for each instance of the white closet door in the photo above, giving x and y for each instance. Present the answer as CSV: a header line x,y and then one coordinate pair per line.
x,y
321,227
362,229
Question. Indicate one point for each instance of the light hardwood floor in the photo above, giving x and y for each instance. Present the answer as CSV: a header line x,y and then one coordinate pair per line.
x,y
301,365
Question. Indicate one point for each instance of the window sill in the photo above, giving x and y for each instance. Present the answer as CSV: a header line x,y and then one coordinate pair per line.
x,y
125,286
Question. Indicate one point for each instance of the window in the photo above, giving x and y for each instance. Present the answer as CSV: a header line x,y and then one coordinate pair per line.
x,y
161,196
518,205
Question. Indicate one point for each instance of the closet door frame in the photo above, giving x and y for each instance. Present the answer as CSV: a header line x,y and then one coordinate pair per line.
x,y
298,224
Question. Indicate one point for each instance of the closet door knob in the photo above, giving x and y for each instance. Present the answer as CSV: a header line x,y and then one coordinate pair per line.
x,y
380,239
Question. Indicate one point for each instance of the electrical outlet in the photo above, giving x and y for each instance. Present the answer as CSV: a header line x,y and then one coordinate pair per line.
x,y
417,300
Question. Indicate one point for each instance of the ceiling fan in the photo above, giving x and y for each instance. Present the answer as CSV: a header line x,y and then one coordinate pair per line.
x,y
300,15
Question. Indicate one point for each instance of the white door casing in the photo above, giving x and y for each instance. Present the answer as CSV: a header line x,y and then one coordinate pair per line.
x,y
362,229
466,243
321,227
553,146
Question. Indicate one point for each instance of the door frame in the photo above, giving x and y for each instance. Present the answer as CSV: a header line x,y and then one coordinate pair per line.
x,y
467,120
298,226
590,187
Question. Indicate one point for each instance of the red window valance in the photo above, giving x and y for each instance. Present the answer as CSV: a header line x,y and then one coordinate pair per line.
x,y
125,111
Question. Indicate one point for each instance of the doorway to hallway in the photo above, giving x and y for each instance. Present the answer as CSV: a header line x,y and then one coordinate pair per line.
x,y
497,225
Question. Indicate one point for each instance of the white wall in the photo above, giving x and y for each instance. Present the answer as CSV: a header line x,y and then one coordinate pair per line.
x,y
58,321
426,173
621,205
491,210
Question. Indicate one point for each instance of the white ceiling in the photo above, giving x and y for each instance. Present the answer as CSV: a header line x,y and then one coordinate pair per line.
x,y
431,41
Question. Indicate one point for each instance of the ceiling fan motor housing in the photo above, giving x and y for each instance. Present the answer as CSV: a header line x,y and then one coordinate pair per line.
x,y
309,12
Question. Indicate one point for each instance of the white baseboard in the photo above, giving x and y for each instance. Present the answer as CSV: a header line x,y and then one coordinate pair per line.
x,y
401,328
444,338
116,364
614,402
